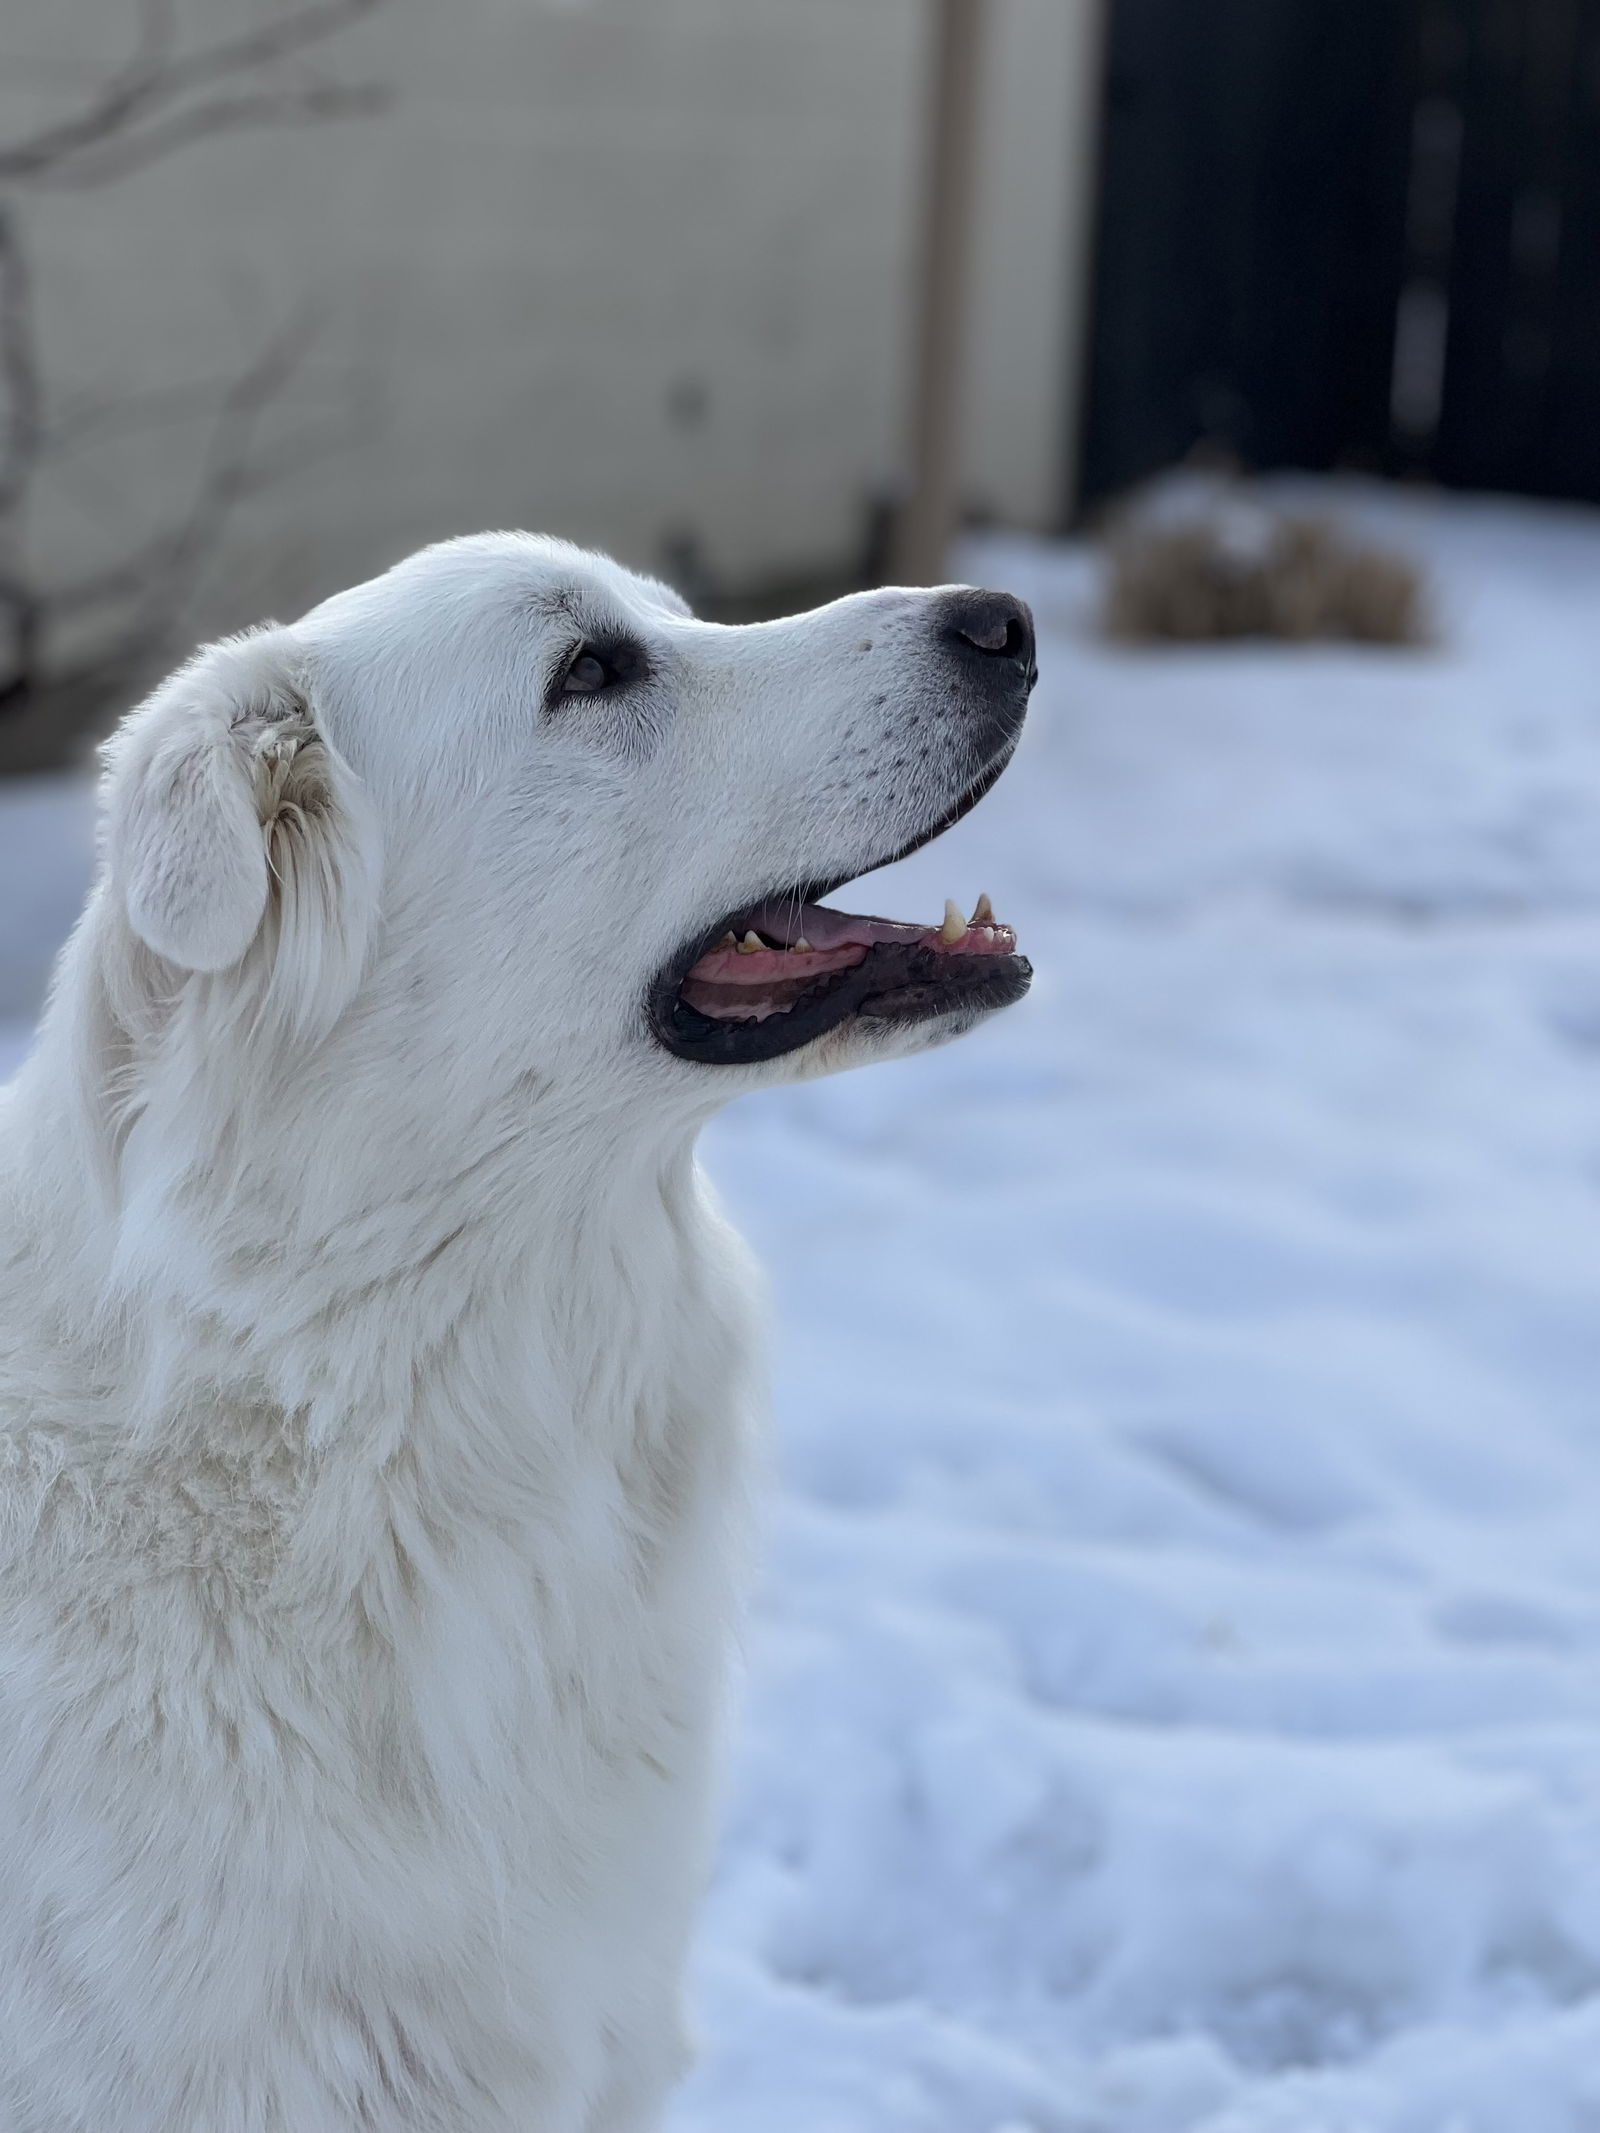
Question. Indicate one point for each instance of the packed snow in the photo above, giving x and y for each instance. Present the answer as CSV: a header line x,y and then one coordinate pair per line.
x,y
1173,1702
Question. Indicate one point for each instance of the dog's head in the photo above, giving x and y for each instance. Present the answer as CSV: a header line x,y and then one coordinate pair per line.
x,y
513,804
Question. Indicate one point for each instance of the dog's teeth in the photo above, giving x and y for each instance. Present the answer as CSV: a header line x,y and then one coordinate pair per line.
x,y
800,947
954,924
728,940
983,912
752,944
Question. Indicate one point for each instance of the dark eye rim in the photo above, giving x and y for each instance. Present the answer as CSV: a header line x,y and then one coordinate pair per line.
x,y
621,661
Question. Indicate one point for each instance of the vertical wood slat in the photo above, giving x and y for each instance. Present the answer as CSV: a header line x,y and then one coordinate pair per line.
x,y
1254,259
1508,242
1250,232
1572,421
927,520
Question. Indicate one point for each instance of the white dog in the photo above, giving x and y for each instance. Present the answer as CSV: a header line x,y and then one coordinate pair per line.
x,y
374,1373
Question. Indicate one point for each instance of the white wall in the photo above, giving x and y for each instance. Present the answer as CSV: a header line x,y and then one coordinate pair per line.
x,y
626,269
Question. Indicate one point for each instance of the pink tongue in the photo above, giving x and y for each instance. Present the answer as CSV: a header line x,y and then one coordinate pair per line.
x,y
750,984
837,940
761,966
788,922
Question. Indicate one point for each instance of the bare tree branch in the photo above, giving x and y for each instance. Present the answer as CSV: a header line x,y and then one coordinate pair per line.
x,y
157,572
20,402
117,105
238,114
89,421
155,81
160,100
20,394
281,38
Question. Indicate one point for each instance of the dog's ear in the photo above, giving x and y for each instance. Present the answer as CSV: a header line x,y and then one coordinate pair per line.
x,y
236,836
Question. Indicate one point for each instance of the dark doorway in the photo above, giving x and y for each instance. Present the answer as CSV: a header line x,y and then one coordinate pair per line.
x,y
1350,233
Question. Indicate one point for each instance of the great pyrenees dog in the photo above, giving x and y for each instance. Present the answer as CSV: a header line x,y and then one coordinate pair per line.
x,y
375,1371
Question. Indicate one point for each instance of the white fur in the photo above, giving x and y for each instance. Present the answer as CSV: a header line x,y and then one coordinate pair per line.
x,y
375,1373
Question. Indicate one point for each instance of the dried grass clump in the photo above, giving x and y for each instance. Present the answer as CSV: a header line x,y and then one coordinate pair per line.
x,y
1237,568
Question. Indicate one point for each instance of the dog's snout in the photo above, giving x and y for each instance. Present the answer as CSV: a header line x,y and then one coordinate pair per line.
x,y
995,625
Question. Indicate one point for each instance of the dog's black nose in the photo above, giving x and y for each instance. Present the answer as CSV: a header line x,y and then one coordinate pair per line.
x,y
995,624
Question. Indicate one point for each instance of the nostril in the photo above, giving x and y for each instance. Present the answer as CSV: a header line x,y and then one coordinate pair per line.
x,y
994,624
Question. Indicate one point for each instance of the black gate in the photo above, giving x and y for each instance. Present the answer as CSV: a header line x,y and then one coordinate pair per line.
x,y
1350,233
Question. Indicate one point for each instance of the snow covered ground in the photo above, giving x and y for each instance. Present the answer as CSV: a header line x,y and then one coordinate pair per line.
x,y
1174,1701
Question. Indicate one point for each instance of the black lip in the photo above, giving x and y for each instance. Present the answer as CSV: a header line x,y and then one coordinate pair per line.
x,y
896,982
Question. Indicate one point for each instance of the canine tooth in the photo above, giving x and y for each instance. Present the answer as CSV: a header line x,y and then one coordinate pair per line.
x,y
983,911
752,944
954,924
728,940
801,947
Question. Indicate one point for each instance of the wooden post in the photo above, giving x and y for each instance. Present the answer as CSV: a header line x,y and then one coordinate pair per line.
x,y
929,517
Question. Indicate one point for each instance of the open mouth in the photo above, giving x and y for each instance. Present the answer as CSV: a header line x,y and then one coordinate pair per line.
x,y
780,973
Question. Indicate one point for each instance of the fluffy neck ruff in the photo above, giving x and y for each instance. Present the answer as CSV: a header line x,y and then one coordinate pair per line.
x,y
463,1310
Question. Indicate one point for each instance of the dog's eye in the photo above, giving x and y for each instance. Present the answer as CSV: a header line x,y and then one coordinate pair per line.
x,y
590,672
598,666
